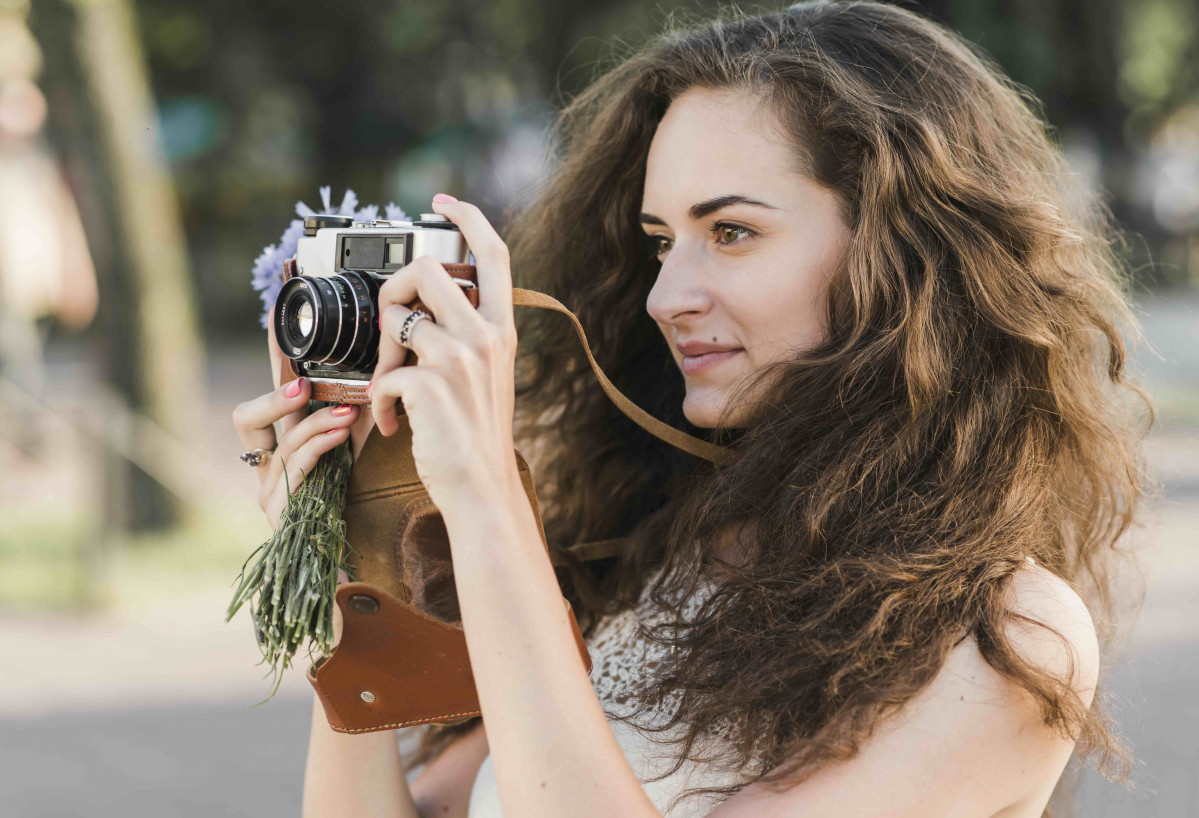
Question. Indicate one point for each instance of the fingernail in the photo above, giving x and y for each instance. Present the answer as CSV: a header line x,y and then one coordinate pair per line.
x,y
369,384
444,198
294,388
343,410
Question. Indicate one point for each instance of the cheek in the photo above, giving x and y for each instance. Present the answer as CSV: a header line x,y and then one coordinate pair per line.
x,y
781,312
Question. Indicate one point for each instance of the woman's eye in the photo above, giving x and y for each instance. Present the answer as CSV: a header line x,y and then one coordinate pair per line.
x,y
731,233
659,244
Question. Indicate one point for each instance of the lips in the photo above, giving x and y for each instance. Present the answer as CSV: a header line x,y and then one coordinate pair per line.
x,y
694,364
696,348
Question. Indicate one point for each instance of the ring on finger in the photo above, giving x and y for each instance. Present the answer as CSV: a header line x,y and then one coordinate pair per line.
x,y
410,321
256,457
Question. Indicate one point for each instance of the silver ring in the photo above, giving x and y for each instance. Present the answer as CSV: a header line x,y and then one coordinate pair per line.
x,y
256,457
410,321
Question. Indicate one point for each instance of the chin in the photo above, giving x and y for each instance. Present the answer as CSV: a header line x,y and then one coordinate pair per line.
x,y
703,409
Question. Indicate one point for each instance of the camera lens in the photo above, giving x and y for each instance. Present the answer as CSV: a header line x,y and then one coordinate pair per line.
x,y
331,321
302,320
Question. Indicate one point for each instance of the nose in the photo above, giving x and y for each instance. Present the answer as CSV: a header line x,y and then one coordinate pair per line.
x,y
678,293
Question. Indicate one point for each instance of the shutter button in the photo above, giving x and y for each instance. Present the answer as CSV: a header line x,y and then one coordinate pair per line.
x,y
363,603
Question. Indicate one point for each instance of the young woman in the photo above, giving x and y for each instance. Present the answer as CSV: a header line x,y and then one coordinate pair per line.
x,y
839,241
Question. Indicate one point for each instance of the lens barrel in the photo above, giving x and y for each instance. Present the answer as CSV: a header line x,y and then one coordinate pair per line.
x,y
333,321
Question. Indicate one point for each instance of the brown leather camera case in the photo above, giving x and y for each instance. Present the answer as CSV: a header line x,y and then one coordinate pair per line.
x,y
402,657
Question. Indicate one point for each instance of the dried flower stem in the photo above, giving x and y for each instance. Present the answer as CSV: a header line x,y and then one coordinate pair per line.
x,y
295,575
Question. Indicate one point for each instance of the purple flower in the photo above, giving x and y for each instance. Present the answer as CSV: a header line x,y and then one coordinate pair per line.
x,y
267,275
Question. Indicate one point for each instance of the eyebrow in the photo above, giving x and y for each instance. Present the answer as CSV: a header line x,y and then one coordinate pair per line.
x,y
701,209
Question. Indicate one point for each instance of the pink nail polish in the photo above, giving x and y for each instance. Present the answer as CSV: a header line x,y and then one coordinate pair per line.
x,y
294,388
444,198
369,384
343,410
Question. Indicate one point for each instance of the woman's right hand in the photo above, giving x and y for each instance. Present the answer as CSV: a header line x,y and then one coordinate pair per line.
x,y
302,438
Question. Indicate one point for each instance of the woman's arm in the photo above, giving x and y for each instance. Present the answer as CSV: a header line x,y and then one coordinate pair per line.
x,y
364,771
363,775
354,774
553,750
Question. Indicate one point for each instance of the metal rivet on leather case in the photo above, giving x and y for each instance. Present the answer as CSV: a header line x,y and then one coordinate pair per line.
x,y
367,696
363,603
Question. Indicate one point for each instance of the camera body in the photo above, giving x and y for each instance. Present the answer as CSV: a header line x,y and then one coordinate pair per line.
x,y
326,316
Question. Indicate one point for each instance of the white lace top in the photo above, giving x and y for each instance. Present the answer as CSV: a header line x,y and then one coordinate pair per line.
x,y
618,657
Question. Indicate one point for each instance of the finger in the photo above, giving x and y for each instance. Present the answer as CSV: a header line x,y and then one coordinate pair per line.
x,y
425,336
314,425
319,422
255,419
296,467
290,421
388,388
491,257
427,280
280,366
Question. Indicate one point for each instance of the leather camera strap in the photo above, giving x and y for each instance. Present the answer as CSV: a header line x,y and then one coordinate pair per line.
x,y
662,431
600,549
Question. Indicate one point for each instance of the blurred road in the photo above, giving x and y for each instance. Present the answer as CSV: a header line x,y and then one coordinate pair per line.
x,y
142,710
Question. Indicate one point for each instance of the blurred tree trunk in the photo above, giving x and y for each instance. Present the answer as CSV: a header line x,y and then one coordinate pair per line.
x,y
158,365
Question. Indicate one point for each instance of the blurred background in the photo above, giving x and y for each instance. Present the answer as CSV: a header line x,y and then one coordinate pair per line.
x,y
149,149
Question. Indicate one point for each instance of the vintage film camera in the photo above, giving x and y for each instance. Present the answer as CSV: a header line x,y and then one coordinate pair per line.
x,y
327,315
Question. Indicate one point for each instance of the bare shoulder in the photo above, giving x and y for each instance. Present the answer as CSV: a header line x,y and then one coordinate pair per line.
x,y
973,742
1052,628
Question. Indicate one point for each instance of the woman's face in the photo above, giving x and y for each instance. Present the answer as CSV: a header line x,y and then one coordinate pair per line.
x,y
746,242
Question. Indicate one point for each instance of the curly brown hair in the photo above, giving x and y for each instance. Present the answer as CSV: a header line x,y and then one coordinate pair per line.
x,y
968,407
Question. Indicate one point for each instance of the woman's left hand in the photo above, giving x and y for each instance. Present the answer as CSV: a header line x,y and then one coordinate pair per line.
x,y
459,397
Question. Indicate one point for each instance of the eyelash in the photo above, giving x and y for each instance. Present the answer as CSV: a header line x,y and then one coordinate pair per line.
x,y
715,228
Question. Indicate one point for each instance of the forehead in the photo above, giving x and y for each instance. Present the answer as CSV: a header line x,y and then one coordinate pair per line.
x,y
715,142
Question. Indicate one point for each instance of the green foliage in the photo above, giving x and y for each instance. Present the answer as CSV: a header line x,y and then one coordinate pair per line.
x,y
295,575
1160,38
